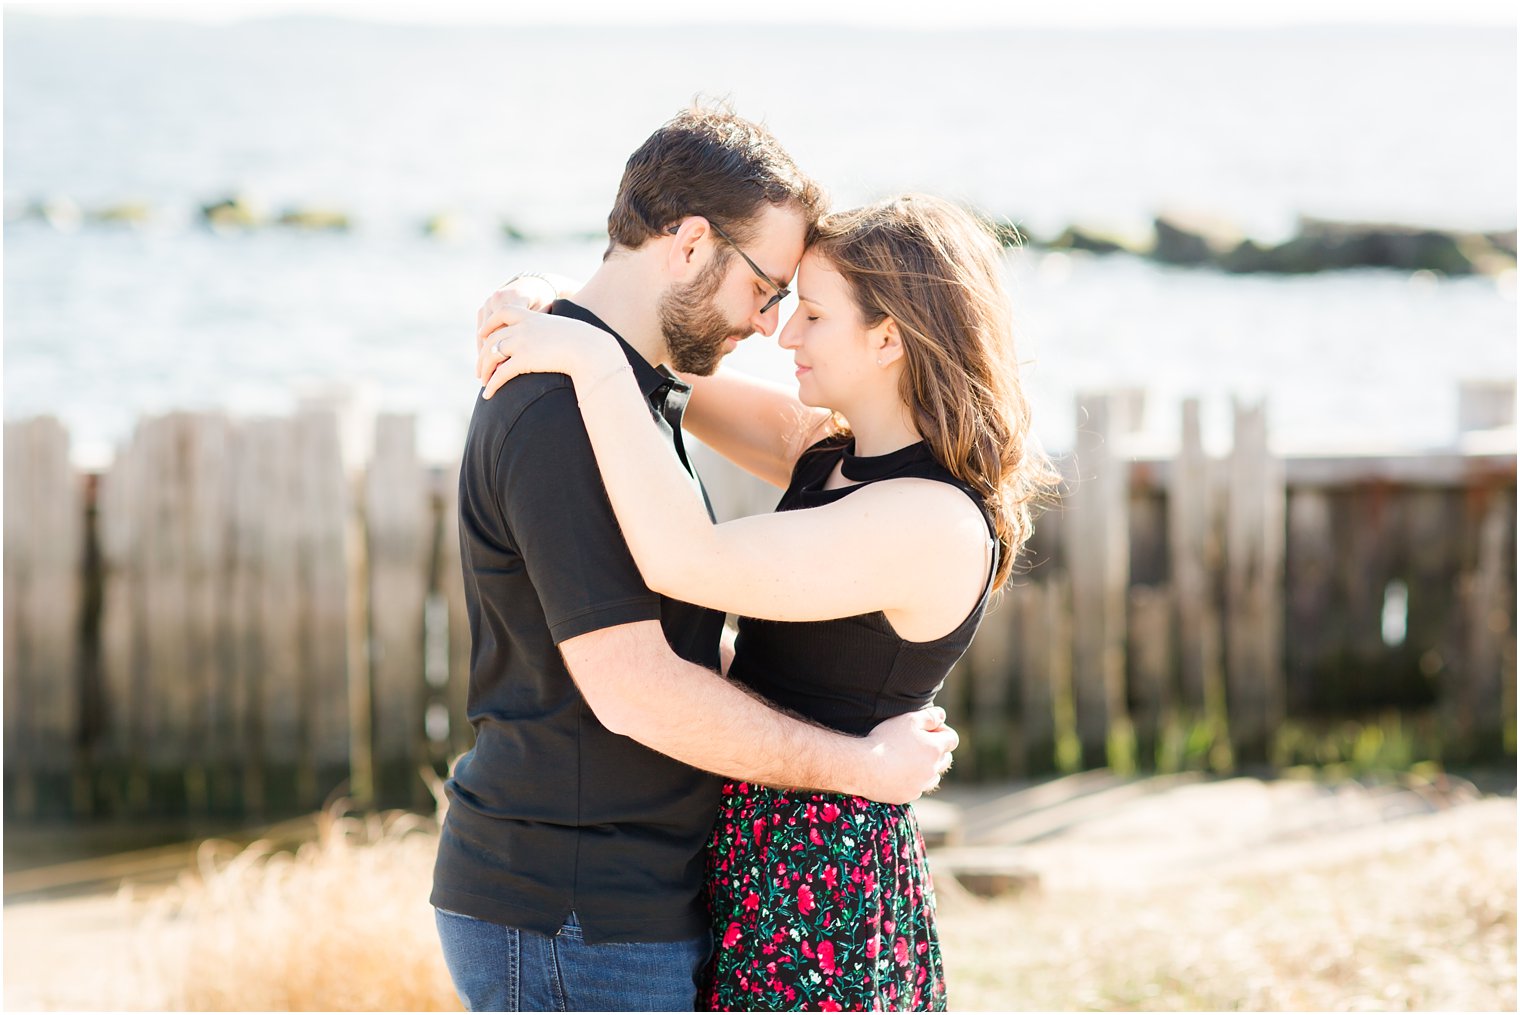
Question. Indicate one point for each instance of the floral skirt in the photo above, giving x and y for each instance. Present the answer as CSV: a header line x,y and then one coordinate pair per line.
x,y
819,902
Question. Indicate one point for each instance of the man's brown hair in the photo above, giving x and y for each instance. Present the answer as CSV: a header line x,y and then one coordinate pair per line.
x,y
711,162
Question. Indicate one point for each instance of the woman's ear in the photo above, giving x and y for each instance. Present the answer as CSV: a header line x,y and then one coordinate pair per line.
x,y
886,342
683,259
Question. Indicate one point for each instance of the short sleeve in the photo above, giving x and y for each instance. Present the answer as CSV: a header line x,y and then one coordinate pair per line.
x,y
558,515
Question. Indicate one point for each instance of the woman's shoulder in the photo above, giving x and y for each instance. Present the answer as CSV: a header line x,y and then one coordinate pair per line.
x,y
942,510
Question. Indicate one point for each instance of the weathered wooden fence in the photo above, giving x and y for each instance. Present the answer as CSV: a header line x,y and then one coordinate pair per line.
x,y
230,620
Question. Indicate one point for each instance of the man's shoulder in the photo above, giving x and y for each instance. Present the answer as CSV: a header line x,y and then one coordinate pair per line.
x,y
527,400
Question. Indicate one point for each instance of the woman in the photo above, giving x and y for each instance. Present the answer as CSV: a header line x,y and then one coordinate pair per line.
x,y
909,475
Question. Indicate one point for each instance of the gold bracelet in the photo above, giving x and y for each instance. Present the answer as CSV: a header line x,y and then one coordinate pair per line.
x,y
581,398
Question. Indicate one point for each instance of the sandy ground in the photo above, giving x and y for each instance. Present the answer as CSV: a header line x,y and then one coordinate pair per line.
x,y
1164,894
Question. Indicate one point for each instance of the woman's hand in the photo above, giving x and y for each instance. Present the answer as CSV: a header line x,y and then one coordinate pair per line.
x,y
526,342
532,291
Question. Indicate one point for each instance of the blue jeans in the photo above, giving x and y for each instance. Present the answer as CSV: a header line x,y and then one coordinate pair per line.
x,y
498,968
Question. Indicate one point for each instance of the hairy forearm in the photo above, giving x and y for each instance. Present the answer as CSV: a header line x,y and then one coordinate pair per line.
x,y
691,714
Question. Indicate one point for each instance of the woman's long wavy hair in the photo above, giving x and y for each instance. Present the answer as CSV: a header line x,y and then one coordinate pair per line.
x,y
937,271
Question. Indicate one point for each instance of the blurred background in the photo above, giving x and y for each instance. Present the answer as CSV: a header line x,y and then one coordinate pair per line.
x,y
1263,261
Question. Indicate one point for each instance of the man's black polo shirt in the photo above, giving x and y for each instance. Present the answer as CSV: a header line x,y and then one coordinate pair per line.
x,y
550,812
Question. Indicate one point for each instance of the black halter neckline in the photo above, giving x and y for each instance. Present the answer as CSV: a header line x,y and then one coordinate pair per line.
x,y
865,468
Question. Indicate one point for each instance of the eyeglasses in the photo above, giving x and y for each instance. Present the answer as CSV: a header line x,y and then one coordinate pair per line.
x,y
781,292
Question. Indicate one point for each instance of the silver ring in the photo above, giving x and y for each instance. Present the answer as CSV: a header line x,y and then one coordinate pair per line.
x,y
497,346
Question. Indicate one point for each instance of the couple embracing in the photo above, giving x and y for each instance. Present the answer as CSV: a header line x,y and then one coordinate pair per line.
x,y
654,816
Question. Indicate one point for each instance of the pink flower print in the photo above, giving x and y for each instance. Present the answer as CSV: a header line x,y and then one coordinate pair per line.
x,y
828,1004
900,951
791,994
815,837
807,950
731,936
752,901
923,974
805,903
759,829
873,947
828,918
830,876
826,958
889,926
923,946
830,812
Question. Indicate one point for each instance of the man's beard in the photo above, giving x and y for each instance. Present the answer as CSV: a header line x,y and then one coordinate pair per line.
x,y
695,329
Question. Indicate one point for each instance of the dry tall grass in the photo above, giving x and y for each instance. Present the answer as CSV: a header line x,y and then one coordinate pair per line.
x,y
343,925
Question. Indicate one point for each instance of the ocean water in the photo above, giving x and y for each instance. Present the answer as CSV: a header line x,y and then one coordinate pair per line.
x,y
392,124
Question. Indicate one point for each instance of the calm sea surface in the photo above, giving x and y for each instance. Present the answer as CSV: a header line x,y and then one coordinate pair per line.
x,y
391,125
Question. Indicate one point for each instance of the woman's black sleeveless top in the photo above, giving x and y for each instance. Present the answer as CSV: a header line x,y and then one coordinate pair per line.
x,y
852,673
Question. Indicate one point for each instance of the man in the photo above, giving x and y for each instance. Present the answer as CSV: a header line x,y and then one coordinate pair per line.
x,y
570,861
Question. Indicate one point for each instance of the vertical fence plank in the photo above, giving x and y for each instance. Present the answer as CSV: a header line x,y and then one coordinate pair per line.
x,y
21,794
168,735
203,451
361,756
1150,664
215,469
397,514
1097,558
1033,637
1488,600
243,630
54,602
43,558
1194,563
123,630
1061,651
1311,604
1433,573
322,553
1254,558
279,722
992,666
1372,555
955,698
451,583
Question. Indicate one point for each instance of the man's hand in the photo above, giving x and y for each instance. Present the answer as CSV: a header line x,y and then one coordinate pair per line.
x,y
907,755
